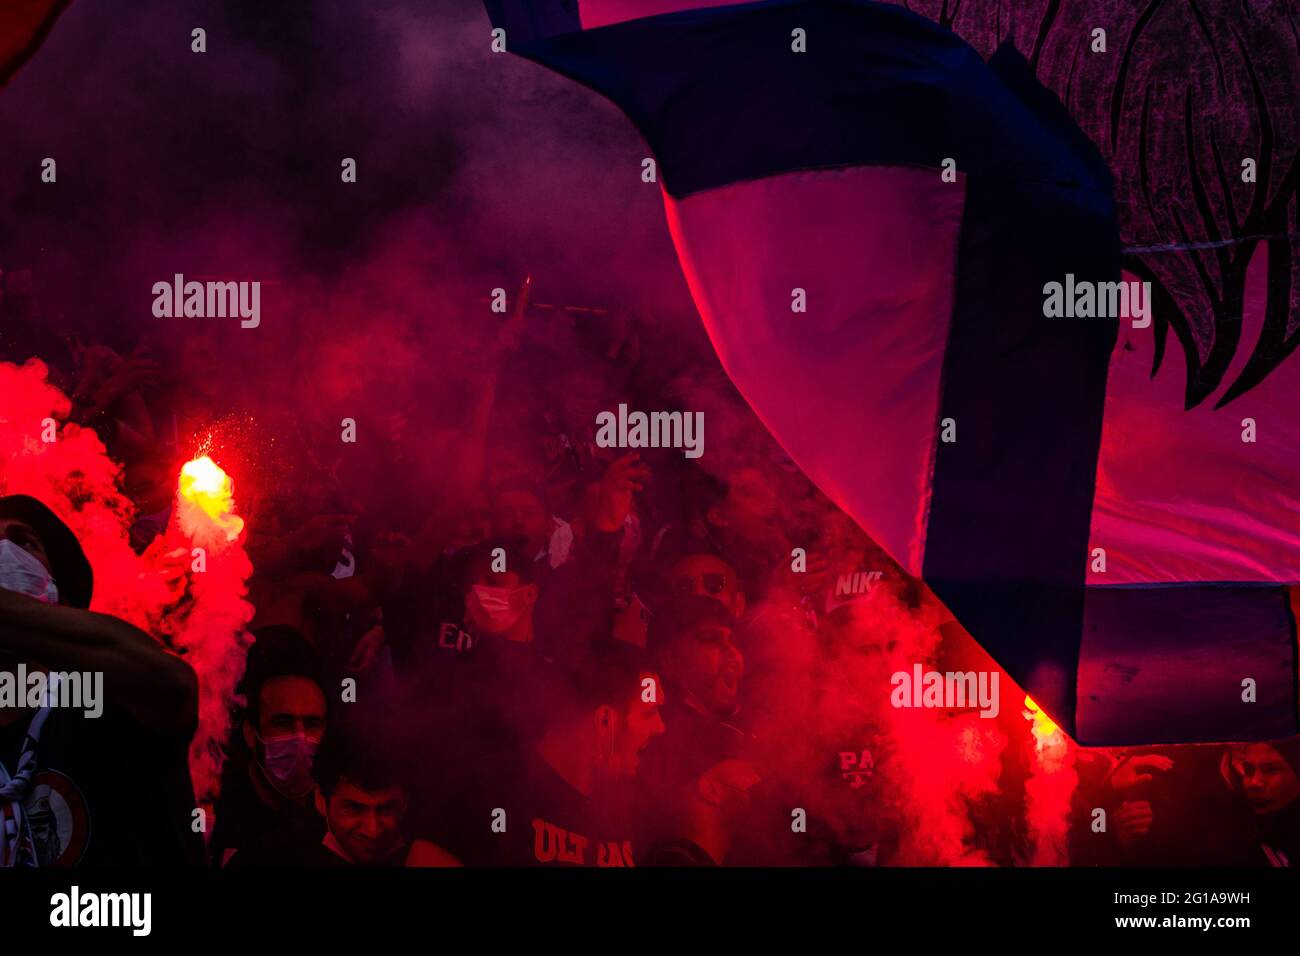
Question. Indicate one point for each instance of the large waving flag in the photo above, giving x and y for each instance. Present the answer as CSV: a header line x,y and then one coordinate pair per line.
x,y
24,24
800,149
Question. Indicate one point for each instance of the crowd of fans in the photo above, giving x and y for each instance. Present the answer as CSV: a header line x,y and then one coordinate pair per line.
x,y
561,654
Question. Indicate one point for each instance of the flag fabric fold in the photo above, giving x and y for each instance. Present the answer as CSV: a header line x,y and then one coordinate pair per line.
x,y
921,200
24,24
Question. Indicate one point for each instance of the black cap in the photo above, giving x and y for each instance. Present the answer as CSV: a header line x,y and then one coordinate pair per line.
x,y
68,564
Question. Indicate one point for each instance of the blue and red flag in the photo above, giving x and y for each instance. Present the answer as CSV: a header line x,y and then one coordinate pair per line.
x,y
1126,560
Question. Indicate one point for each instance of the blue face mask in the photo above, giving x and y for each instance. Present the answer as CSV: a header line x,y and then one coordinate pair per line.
x,y
22,572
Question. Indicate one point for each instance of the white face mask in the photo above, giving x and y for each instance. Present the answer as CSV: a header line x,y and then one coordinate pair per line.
x,y
495,610
288,762
21,571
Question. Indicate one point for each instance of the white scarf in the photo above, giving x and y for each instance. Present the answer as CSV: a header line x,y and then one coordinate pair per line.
x,y
16,845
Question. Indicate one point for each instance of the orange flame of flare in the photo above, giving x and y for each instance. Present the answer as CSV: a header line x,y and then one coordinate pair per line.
x,y
204,484
1044,728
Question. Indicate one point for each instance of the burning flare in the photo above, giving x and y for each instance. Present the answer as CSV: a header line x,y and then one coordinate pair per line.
x,y
207,491
1048,788
207,629
1045,731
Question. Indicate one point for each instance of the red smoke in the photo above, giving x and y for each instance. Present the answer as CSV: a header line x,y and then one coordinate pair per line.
x,y
208,628
932,765
199,616
1048,788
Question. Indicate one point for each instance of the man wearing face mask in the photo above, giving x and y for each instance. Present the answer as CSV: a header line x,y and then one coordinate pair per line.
x,y
62,798
468,692
267,786
496,682
499,603
490,593
364,798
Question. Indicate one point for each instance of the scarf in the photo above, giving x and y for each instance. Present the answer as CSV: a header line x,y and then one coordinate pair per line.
x,y
16,845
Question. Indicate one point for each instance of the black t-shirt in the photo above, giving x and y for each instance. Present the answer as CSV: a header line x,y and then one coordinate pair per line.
x,y
423,623
547,822
107,791
678,852
692,743
473,706
299,848
242,817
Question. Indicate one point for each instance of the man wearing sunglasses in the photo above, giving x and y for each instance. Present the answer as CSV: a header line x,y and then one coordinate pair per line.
x,y
707,575
780,647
